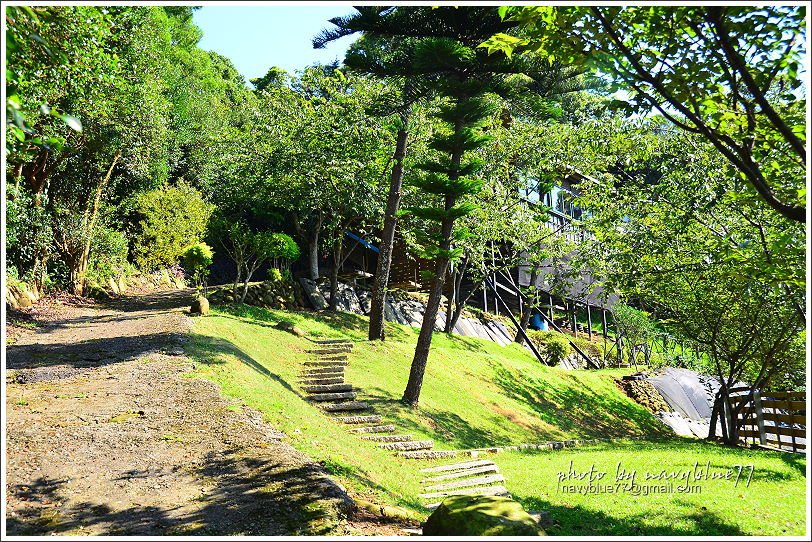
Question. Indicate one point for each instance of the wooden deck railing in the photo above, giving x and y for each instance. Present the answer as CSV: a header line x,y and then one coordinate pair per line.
x,y
776,418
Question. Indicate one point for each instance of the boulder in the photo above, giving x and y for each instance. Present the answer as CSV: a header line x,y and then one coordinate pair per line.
x,y
122,285
365,301
313,293
114,286
284,325
480,515
200,306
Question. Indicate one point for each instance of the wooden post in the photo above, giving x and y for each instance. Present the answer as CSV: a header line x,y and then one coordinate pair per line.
x,y
605,324
552,313
484,297
572,318
762,434
589,320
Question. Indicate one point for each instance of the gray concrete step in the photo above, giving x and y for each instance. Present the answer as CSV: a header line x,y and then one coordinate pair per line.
x,y
327,388
322,381
341,407
331,341
328,363
373,418
428,454
467,482
338,396
461,473
458,466
408,446
388,438
322,370
374,429
332,350
489,490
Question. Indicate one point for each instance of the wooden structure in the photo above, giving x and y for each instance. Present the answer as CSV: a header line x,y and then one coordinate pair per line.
x,y
775,419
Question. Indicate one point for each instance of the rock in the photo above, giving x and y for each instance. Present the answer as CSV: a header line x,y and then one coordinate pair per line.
x,y
200,306
365,301
313,294
114,286
24,301
389,311
480,515
290,328
122,285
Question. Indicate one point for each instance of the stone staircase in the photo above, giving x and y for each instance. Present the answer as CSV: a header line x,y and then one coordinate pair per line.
x,y
469,478
322,381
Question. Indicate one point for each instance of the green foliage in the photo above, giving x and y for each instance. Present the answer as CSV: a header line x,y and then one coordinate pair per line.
x,y
552,345
109,248
197,258
169,220
730,73
634,324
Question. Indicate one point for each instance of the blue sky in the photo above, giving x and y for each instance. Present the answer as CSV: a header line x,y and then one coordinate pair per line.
x,y
258,37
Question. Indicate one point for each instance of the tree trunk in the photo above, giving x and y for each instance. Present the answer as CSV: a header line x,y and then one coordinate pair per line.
x,y
249,272
78,275
421,351
452,298
313,256
376,327
529,307
334,273
411,394
460,307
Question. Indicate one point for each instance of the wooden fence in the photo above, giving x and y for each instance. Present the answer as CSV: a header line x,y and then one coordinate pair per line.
x,y
776,418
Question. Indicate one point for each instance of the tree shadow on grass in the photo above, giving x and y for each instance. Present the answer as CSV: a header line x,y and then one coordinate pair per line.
x,y
578,520
577,409
210,350
254,493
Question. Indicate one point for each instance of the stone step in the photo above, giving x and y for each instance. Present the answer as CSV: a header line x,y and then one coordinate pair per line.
x,y
325,381
467,482
487,490
332,396
373,418
322,370
327,388
337,357
331,341
461,474
388,438
408,446
458,466
333,350
328,363
428,454
374,429
341,407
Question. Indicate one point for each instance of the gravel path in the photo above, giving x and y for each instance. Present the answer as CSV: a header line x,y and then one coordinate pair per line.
x,y
107,436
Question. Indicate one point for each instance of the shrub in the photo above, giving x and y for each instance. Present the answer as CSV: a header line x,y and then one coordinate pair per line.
x,y
274,275
169,220
108,256
196,259
556,349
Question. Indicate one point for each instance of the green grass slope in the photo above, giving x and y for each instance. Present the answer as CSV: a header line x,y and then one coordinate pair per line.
x,y
475,394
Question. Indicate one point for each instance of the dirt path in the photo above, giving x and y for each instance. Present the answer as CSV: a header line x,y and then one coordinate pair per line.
x,y
106,435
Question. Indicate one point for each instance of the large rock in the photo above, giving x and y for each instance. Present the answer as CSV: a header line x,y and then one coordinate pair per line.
x,y
480,515
313,294
200,306
365,301
284,325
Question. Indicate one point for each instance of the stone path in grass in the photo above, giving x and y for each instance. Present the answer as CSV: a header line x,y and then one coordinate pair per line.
x,y
323,381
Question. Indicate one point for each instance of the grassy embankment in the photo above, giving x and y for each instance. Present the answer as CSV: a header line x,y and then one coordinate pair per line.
x,y
475,394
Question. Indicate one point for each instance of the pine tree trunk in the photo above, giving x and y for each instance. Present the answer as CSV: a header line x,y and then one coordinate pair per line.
x,y
452,298
376,313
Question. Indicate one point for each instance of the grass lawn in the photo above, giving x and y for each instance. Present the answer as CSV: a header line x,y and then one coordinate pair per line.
x,y
475,394
774,503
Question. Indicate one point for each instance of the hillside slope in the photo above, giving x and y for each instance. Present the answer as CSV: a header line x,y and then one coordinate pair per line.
x,y
475,393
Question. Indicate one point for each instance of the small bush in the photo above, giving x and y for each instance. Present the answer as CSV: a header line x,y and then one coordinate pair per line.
x,y
108,256
169,220
274,275
557,349
196,259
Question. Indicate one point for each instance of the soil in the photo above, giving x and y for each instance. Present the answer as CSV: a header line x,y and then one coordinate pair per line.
x,y
109,433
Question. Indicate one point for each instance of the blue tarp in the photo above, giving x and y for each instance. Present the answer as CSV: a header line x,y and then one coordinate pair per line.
x,y
367,244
